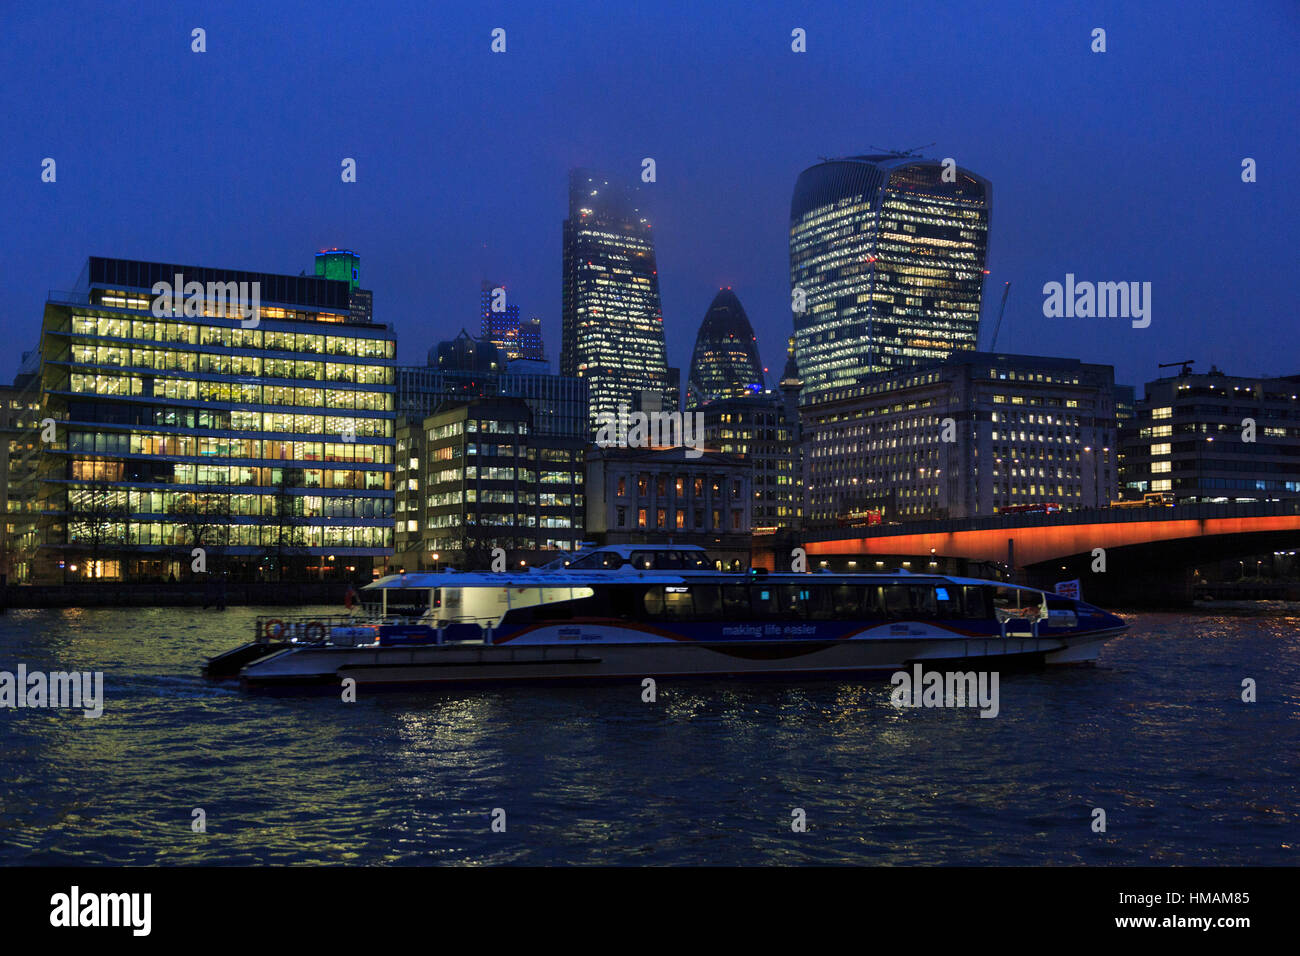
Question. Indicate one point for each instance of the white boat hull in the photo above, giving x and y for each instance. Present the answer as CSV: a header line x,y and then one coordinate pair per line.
x,y
483,663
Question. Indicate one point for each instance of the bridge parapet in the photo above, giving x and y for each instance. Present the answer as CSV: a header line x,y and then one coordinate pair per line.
x,y
1083,516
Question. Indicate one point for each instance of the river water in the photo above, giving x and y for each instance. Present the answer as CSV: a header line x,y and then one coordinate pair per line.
x,y
1156,735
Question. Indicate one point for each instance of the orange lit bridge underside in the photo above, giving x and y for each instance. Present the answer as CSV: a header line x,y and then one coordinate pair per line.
x,y
1034,545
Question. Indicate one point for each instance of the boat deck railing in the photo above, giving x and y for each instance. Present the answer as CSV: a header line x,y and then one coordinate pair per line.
x,y
309,628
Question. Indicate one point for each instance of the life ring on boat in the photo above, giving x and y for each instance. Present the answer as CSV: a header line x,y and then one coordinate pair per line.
x,y
307,629
274,624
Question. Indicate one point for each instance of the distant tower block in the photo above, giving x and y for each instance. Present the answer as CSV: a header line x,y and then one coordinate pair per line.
x,y
345,266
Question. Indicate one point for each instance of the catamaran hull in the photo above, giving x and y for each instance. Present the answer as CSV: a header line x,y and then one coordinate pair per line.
x,y
479,663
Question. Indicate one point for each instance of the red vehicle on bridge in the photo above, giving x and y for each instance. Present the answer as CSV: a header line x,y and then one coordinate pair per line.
x,y
1040,508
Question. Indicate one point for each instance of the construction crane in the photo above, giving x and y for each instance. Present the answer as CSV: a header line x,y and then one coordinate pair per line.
x,y
993,346
1186,367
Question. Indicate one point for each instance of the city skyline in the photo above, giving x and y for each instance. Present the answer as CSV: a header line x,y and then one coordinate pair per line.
x,y
1093,191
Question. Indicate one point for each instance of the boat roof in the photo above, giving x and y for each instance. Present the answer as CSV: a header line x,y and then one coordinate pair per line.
x,y
530,579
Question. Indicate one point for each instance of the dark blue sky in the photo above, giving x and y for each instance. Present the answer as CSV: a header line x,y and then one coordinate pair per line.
x,y
1116,166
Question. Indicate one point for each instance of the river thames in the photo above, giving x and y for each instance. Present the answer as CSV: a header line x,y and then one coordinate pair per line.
x,y
1156,735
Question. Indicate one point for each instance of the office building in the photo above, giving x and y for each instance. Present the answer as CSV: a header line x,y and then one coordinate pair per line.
x,y
613,335
477,476
1189,438
975,435
260,430
20,446
887,260
756,429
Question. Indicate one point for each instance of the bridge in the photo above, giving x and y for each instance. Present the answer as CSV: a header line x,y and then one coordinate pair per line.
x,y
1147,552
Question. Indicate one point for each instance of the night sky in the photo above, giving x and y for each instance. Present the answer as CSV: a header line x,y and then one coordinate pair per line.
x,y
1117,166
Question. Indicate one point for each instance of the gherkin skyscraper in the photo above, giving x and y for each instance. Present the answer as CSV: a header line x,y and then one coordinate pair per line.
x,y
887,258
613,333
725,362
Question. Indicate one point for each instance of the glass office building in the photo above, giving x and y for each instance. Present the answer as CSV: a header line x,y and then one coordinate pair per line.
x,y
269,444
613,334
1187,438
478,475
725,363
886,266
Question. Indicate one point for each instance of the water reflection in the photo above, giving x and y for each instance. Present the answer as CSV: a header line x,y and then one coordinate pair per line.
x,y
707,774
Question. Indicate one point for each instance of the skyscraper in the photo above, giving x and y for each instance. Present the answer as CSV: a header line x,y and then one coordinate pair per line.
x,y
725,362
613,332
886,265
516,338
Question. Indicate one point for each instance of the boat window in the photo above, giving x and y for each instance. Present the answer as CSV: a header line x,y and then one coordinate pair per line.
x,y
909,601
408,602
763,600
623,602
924,600
708,602
833,603
668,561
601,560
642,560
949,600
669,602
976,600
696,561
795,599
735,602
896,601
1018,603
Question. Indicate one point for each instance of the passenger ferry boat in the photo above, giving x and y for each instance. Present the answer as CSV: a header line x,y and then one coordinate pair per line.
x,y
636,611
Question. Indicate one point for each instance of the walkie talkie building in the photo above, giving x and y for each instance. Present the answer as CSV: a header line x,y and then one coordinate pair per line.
x,y
887,258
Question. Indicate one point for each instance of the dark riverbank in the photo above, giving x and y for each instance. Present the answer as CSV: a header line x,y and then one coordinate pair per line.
x,y
173,594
